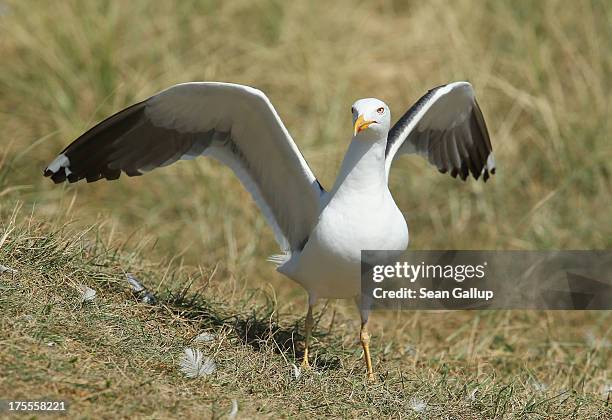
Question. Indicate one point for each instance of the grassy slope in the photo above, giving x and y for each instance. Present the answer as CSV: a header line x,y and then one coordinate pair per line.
x,y
542,71
117,355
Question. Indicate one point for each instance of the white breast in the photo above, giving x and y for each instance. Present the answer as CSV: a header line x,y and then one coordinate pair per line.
x,y
357,214
330,263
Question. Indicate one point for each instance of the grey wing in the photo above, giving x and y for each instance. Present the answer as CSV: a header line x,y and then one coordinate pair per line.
x,y
234,124
445,126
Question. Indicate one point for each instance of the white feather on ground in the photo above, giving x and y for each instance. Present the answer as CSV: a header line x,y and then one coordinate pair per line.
x,y
297,372
234,411
472,395
193,364
87,293
5,269
134,283
144,294
539,386
204,337
418,405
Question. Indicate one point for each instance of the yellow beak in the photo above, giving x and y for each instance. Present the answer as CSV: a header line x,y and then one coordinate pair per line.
x,y
362,124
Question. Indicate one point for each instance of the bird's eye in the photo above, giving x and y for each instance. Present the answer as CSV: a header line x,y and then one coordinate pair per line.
x,y
352,110
380,110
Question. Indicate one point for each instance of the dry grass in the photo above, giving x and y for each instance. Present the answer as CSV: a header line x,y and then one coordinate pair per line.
x,y
116,356
543,75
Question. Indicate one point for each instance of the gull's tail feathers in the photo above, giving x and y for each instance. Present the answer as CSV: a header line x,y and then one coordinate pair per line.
x,y
279,259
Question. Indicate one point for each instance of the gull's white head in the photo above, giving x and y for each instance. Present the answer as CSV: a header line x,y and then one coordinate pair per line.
x,y
371,119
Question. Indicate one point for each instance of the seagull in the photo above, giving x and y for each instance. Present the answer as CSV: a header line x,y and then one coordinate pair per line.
x,y
320,233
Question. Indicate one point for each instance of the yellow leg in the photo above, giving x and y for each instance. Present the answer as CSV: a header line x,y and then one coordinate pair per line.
x,y
309,324
365,342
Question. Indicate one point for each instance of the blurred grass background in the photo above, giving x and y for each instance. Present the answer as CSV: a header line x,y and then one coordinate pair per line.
x,y
542,73
541,70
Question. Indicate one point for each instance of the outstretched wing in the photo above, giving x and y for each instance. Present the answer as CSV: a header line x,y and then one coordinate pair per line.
x,y
234,124
446,127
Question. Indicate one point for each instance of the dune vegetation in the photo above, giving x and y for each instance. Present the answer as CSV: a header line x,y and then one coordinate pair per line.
x,y
542,72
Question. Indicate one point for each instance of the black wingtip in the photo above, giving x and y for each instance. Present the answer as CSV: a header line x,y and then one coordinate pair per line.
x,y
486,175
58,177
